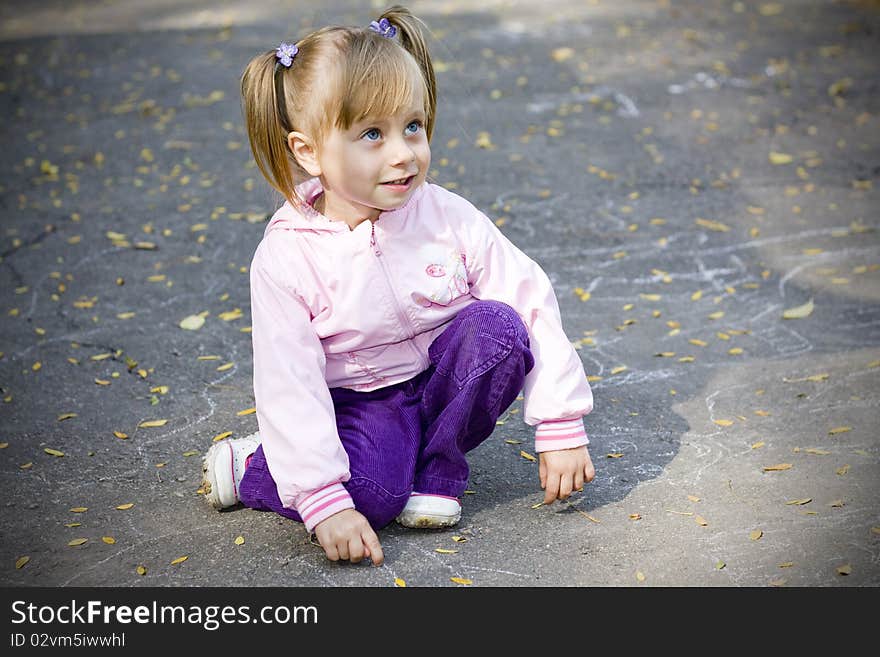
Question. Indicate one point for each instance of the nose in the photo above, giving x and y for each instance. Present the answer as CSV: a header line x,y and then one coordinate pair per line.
x,y
401,152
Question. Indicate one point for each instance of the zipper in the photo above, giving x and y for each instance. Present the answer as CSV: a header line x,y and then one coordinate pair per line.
x,y
401,315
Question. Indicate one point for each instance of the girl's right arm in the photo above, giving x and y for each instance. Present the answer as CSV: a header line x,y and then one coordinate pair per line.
x,y
295,412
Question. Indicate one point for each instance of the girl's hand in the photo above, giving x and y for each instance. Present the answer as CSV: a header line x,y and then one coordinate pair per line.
x,y
563,471
347,535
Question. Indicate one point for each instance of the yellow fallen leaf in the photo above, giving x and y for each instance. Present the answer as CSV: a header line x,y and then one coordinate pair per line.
x,y
800,502
712,225
179,560
780,158
527,456
614,455
758,445
120,435
562,54
771,9
837,430
77,541
665,354
723,423
511,441
20,562
225,366
619,369
693,498
718,314
125,507
66,416
399,583
640,576
735,351
798,312
221,436
141,570
755,534
102,382
52,452
73,524
445,551
696,296
778,467
701,521
837,504
459,539
846,569
699,343
192,322
875,530
635,516
153,423
239,540
79,509
842,470
461,580
818,452
719,565
816,378
191,452
786,564
109,540
247,411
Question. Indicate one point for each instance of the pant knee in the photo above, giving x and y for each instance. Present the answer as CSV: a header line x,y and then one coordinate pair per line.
x,y
374,502
508,321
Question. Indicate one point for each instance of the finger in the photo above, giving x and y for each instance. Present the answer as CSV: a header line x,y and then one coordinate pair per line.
x,y
542,473
552,489
356,549
564,486
589,472
374,549
579,480
331,552
342,546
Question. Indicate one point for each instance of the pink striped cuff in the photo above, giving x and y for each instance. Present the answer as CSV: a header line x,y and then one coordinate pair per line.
x,y
560,434
323,503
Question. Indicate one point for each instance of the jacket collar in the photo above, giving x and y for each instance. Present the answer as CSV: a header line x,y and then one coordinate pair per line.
x,y
303,216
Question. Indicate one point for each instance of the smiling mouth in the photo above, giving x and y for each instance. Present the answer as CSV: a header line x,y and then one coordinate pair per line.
x,y
402,182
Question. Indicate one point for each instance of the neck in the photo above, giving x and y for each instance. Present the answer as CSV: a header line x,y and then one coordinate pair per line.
x,y
348,214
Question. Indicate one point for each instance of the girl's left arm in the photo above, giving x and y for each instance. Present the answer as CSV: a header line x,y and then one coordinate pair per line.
x,y
557,394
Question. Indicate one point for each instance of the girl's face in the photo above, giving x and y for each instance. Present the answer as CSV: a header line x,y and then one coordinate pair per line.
x,y
375,165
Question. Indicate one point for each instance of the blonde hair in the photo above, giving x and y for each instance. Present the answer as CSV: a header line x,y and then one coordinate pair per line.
x,y
339,76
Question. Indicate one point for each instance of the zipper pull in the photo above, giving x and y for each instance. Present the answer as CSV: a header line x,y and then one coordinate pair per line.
x,y
373,239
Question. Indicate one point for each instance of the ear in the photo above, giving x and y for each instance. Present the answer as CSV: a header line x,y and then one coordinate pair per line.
x,y
304,151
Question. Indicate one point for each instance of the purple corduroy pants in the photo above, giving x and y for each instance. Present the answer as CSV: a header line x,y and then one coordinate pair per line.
x,y
413,436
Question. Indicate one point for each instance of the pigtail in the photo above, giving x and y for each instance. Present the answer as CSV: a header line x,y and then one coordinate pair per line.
x,y
267,129
412,37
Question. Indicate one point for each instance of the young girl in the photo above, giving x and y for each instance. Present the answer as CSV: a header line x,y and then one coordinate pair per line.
x,y
393,323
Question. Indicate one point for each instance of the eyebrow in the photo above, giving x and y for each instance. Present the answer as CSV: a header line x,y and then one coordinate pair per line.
x,y
417,112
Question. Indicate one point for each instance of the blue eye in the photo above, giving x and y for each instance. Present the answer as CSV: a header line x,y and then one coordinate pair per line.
x,y
413,127
372,134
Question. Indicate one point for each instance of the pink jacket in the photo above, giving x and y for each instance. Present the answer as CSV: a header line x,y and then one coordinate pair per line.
x,y
334,307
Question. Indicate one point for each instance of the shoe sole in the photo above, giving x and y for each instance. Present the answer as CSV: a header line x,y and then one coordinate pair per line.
x,y
416,520
219,456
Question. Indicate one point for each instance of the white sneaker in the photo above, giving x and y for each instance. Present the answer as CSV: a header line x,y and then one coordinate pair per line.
x,y
223,468
425,511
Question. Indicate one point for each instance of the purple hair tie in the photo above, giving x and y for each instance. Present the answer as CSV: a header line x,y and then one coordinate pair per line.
x,y
384,27
285,53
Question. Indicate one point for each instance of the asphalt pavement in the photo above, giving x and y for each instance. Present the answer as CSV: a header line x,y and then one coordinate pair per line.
x,y
699,180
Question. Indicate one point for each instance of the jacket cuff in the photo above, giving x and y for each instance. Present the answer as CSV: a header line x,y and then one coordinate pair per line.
x,y
322,503
560,434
